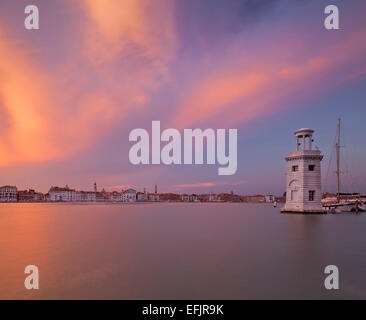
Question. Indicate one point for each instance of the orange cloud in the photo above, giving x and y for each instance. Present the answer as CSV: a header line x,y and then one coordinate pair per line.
x,y
24,102
119,187
219,91
125,52
143,30
235,94
38,122
53,112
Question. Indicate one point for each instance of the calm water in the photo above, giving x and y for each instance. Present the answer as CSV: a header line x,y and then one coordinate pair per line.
x,y
178,251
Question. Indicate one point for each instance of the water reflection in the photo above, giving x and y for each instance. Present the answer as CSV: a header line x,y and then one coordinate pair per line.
x,y
178,251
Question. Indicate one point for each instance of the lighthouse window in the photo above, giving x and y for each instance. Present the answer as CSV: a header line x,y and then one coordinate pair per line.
x,y
295,168
311,195
311,167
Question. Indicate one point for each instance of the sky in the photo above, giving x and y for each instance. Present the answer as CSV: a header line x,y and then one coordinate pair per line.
x,y
71,92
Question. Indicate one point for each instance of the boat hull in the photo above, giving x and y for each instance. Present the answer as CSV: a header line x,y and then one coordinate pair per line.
x,y
345,207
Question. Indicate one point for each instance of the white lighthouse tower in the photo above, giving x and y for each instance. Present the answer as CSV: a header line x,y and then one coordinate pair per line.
x,y
303,181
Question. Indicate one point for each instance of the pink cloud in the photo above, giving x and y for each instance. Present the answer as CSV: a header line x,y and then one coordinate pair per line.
x,y
55,112
241,88
119,187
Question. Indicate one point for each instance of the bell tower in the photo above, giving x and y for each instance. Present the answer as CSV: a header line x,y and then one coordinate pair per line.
x,y
303,179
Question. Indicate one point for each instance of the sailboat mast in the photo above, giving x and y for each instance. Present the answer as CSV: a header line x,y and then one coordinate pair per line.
x,y
338,146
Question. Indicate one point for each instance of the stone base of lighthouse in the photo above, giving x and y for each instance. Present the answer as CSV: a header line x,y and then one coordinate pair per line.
x,y
294,210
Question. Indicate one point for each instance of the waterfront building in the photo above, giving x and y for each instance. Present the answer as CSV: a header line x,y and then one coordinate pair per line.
x,y
115,196
101,196
142,196
193,198
62,194
169,197
8,194
225,197
30,196
78,196
129,195
303,181
154,196
236,198
281,199
203,197
253,198
88,196
269,198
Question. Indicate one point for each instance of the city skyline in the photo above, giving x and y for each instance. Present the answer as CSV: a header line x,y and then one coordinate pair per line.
x,y
266,68
11,194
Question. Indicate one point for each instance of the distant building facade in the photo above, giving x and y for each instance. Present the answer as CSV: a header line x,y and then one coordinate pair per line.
x,y
154,196
62,194
169,197
115,196
254,198
8,194
129,195
185,197
193,198
30,196
142,196
88,196
102,196
269,198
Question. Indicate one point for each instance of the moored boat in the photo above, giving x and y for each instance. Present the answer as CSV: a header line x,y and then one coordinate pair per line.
x,y
343,202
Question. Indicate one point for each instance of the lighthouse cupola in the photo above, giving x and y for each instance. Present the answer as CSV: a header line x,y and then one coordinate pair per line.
x,y
304,139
